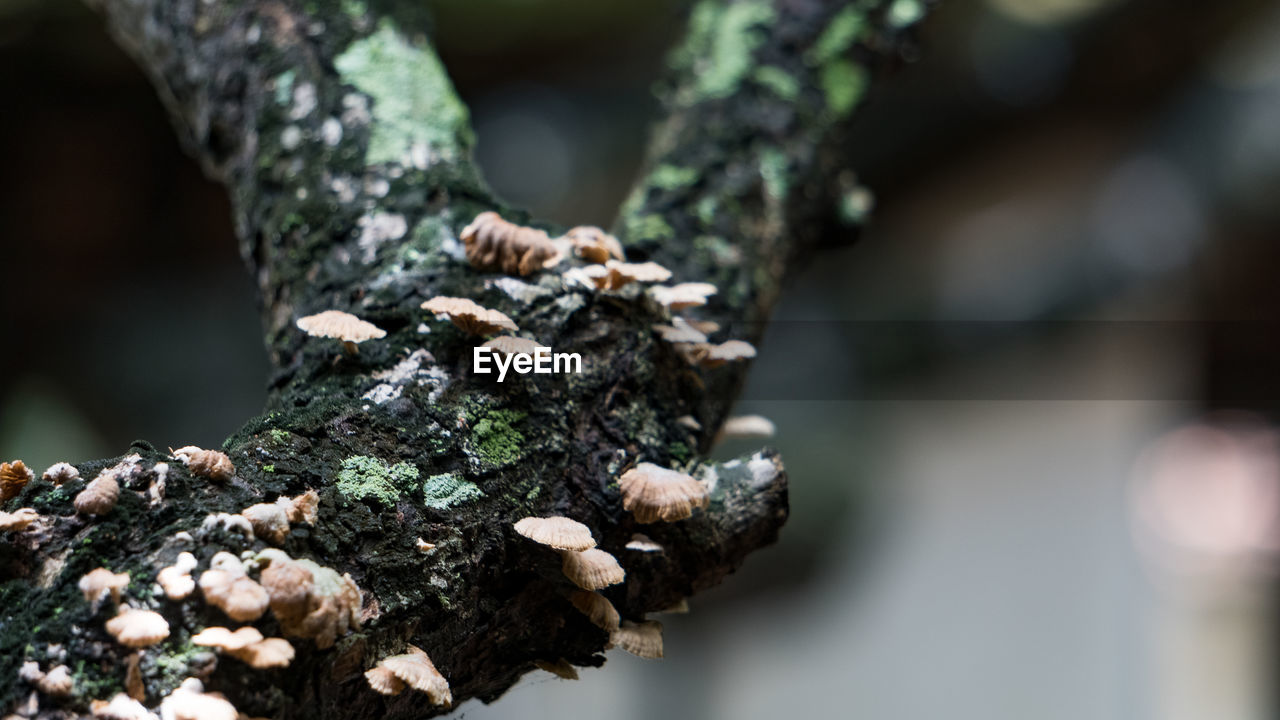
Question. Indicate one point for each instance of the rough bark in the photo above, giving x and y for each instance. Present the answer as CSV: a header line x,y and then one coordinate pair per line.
x,y
347,157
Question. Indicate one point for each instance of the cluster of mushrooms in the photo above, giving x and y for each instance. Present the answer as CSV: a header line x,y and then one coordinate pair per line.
x,y
315,602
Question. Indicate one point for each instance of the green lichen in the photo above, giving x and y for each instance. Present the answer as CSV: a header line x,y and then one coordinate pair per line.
x,y
843,84
413,101
368,478
847,27
706,209
720,44
773,168
269,468
648,227
278,436
672,177
175,665
495,437
679,451
777,81
444,491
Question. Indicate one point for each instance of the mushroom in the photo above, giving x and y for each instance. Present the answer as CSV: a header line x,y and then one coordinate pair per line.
x,y
640,639
414,669
59,473
593,244
642,543
496,244
683,295
747,426
303,508
97,584
689,422
189,701
13,477
138,628
18,519
133,685
680,608
99,496
597,608
175,580
346,327
621,274
57,682
121,707
270,521
560,533
592,569
247,645
424,546
227,587
713,356
205,463
680,331
310,600
509,345
559,668
655,493
469,316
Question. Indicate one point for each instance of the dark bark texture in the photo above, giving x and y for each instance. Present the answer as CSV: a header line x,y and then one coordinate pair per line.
x,y
347,156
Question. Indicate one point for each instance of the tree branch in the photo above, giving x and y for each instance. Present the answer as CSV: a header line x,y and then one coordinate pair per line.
x,y
347,156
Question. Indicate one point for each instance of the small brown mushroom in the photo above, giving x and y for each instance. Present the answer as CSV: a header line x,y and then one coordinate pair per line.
x,y
683,295
18,519
496,244
13,477
509,345
59,473
310,600
621,274
121,707
247,645
642,543
593,244
469,316
57,682
640,639
560,668
270,521
424,546
138,628
747,426
343,326
592,569
133,685
189,701
303,508
209,464
597,608
227,587
688,421
175,580
99,496
655,493
560,533
97,584
414,669
384,681
680,331
713,356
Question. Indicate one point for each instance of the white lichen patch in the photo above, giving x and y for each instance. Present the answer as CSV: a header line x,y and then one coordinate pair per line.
x,y
355,110
376,230
331,132
763,471
304,101
453,247
410,370
517,289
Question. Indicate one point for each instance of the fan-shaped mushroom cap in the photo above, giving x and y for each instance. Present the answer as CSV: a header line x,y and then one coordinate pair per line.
x,y
592,569
303,508
138,628
679,331
747,426
683,295
13,477
690,422
560,668
310,600
206,463
509,345
640,639
655,493
713,356
384,681
417,671
56,682
341,325
98,497
225,639
267,653
175,580
227,587
597,608
621,274
560,533
270,521
59,473
100,582
423,545
18,519
593,244
190,702
642,543
121,707
496,244
470,316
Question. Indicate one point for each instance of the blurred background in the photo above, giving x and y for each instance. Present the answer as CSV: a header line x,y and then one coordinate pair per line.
x,y
1035,472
